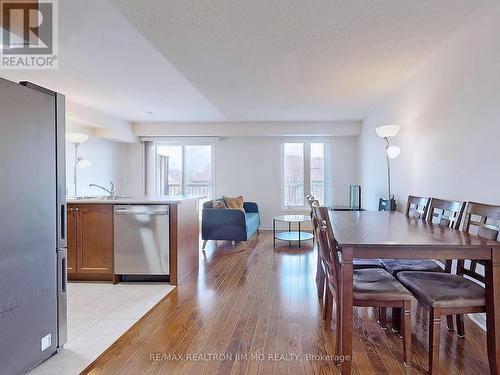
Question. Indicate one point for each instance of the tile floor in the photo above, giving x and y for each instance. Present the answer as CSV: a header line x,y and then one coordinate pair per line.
x,y
99,313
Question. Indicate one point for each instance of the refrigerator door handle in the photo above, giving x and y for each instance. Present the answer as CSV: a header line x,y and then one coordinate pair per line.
x,y
62,301
62,221
64,275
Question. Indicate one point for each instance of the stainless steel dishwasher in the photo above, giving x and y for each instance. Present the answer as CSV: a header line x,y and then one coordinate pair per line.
x,y
141,239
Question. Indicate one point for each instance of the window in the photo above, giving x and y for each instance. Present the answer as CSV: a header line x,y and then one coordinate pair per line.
x,y
318,171
169,170
179,168
293,167
305,171
198,174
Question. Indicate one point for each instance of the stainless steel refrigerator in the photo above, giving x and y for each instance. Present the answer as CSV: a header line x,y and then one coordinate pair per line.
x,y
32,225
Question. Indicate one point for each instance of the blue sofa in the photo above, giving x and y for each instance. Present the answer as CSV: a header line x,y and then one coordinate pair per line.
x,y
229,224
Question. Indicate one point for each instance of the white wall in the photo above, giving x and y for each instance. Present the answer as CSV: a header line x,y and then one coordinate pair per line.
x,y
109,158
345,168
134,172
449,112
250,166
108,164
101,124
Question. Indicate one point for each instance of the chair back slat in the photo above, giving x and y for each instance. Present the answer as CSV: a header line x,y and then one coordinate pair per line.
x,y
312,202
317,218
482,220
417,207
322,218
470,270
310,199
328,248
445,213
488,232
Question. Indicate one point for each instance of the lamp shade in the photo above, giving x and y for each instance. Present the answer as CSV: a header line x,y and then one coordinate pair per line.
x,y
83,163
76,137
393,152
387,131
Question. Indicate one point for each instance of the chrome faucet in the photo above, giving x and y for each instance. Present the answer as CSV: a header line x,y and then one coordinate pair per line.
x,y
111,192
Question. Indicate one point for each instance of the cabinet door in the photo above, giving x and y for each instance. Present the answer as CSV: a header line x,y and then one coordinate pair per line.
x,y
95,238
72,245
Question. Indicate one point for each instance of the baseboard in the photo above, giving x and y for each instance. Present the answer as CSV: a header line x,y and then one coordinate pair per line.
x,y
90,277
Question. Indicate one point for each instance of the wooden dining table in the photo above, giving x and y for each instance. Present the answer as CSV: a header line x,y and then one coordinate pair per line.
x,y
393,235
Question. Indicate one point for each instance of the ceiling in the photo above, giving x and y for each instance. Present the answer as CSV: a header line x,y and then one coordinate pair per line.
x,y
107,65
247,60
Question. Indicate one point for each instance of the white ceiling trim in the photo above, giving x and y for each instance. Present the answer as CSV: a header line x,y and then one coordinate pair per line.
x,y
249,129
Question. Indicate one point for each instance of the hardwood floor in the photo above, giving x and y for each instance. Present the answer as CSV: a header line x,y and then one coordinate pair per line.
x,y
255,301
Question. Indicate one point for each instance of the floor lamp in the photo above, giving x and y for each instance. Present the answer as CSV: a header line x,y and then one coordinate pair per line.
x,y
391,152
77,139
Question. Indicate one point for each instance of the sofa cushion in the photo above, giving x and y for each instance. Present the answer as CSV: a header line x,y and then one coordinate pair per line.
x,y
394,266
252,223
210,204
218,204
438,289
236,202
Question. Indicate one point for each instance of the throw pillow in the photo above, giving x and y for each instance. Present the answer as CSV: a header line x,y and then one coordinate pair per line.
x,y
218,204
236,203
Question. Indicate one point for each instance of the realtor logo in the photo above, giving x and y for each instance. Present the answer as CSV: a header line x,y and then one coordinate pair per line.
x,y
28,34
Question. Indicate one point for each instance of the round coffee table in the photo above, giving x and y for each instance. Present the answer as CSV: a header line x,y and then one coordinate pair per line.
x,y
291,235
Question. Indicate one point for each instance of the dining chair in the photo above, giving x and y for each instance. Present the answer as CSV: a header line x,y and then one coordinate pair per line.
x,y
320,271
484,221
438,211
453,294
372,287
417,207
433,210
357,263
445,213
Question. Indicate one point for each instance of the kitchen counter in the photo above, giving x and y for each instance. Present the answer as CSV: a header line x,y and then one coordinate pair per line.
x,y
137,200
91,236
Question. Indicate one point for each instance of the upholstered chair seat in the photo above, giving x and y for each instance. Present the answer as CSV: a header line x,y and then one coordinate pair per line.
x,y
443,290
378,284
366,263
394,266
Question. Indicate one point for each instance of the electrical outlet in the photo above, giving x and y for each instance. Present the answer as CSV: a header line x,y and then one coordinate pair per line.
x,y
46,341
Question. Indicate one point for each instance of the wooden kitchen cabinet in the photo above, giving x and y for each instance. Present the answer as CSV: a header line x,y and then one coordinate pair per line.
x,y
90,241
91,238
95,238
